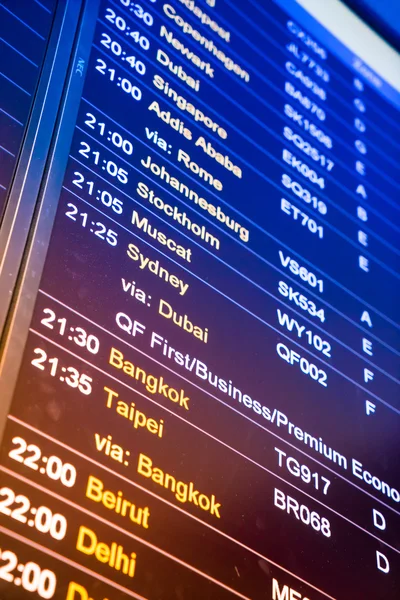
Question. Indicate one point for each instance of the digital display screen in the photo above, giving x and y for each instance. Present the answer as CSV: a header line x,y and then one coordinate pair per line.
x,y
24,31
207,402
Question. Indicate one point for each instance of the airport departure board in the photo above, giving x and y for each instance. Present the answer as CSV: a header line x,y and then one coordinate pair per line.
x,y
207,401
24,32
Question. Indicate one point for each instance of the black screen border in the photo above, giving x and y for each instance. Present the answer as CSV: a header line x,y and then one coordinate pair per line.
x,y
30,275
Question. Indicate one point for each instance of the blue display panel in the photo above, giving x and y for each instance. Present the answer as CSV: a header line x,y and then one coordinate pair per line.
x,y
207,404
24,31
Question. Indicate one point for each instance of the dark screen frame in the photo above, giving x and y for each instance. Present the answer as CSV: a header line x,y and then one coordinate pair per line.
x,y
372,18
24,299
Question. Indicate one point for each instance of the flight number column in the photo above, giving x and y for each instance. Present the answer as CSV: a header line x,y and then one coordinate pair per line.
x,y
308,66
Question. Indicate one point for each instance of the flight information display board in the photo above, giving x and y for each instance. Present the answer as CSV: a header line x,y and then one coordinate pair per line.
x,y
207,403
24,32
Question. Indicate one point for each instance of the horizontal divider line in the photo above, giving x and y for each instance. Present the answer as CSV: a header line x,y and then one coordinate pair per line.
x,y
15,84
43,6
23,22
10,116
7,151
20,53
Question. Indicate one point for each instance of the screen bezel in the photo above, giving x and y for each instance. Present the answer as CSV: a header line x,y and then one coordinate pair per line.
x,y
375,22
25,296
